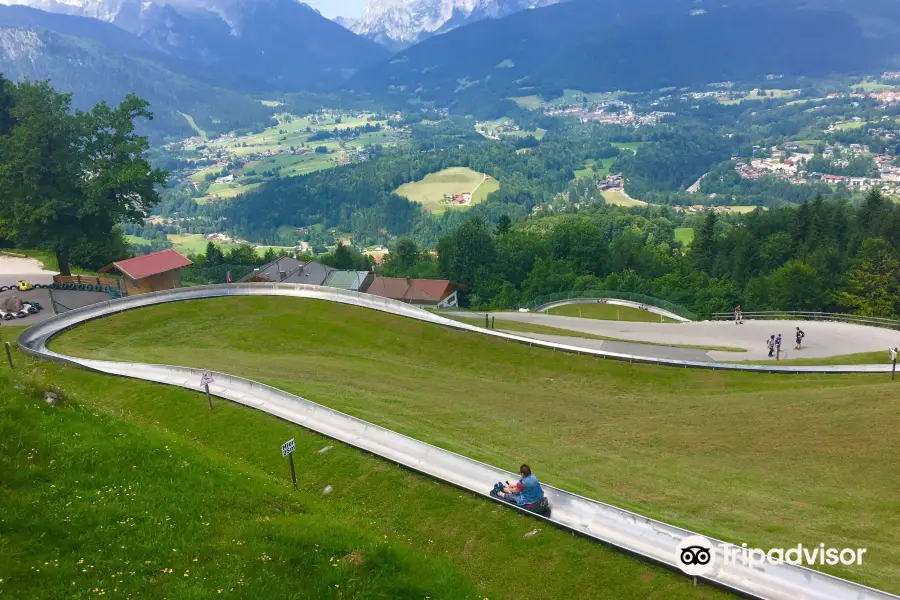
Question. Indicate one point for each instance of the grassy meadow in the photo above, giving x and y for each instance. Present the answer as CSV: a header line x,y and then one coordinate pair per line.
x,y
431,190
132,489
769,460
608,312
620,198
685,235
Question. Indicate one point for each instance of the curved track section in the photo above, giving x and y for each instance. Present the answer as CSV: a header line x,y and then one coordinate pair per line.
x,y
649,308
631,532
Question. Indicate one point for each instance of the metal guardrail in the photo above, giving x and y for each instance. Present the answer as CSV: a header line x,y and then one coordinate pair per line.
x,y
810,316
639,535
612,294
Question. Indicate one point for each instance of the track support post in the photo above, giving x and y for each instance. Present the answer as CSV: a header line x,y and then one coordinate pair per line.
x,y
9,355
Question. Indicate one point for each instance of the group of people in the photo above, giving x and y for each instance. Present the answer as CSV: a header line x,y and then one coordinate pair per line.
x,y
774,343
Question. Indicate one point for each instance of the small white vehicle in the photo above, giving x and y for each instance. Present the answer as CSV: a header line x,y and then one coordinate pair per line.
x,y
524,310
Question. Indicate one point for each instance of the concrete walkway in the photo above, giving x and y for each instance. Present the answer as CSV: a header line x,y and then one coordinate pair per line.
x,y
12,269
823,339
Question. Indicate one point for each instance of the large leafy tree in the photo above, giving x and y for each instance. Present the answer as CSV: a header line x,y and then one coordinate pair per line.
x,y
70,177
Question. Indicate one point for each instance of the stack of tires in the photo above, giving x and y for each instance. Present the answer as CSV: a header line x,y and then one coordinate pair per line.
x,y
13,308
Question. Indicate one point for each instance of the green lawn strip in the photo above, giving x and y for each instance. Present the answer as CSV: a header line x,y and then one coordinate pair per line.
x,y
861,358
770,460
608,312
127,479
520,327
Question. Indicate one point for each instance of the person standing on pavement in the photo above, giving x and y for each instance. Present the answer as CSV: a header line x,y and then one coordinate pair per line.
x,y
771,345
800,335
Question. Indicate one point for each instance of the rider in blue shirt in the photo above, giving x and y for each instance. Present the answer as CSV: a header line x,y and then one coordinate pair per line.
x,y
526,493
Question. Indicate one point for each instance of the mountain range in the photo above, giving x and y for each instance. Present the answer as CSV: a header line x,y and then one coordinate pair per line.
x,y
280,44
397,24
201,63
605,45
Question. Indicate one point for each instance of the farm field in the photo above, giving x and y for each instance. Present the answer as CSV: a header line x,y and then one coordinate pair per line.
x,y
274,148
847,125
528,102
137,241
131,489
608,312
758,94
600,169
500,128
741,209
431,190
686,446
572,97
193,243
620,198
869,86
685,235
633,146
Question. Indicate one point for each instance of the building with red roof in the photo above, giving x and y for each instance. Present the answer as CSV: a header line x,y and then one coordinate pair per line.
x,y
424,292
152,272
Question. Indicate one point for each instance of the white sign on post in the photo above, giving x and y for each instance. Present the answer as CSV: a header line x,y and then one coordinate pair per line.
x,y
206,379
287,447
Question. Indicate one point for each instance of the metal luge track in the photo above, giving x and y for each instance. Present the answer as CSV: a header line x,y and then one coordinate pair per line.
x,y
628,531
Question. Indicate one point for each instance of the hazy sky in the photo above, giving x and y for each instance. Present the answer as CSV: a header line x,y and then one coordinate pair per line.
x,y
334,8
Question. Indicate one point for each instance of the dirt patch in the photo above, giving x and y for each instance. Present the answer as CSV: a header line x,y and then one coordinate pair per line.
x,y
354,558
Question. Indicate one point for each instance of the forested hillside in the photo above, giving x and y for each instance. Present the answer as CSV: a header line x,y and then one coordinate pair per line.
x,y
360,199
819,256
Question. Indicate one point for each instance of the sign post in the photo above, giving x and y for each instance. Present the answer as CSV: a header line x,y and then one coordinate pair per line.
x,y
287,449
8,355
893,355
205,380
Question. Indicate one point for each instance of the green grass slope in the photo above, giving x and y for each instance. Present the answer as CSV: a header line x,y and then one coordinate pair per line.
x,y
772,461
609,312
131,489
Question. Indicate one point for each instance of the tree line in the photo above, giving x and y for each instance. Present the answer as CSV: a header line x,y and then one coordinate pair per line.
x,y
820,256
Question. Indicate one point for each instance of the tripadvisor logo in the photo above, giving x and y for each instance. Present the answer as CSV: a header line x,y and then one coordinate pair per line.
x,y
696,555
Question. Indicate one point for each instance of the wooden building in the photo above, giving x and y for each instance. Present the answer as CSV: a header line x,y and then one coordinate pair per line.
x,y
152,272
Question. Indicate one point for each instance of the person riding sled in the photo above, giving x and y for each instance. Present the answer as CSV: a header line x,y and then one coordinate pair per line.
x,y
526,493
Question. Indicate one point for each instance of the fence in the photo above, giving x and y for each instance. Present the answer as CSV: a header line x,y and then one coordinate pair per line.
x,y
89,283
630,296
776,315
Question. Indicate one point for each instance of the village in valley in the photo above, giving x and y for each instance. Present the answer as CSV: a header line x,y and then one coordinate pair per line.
x,y
791,163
